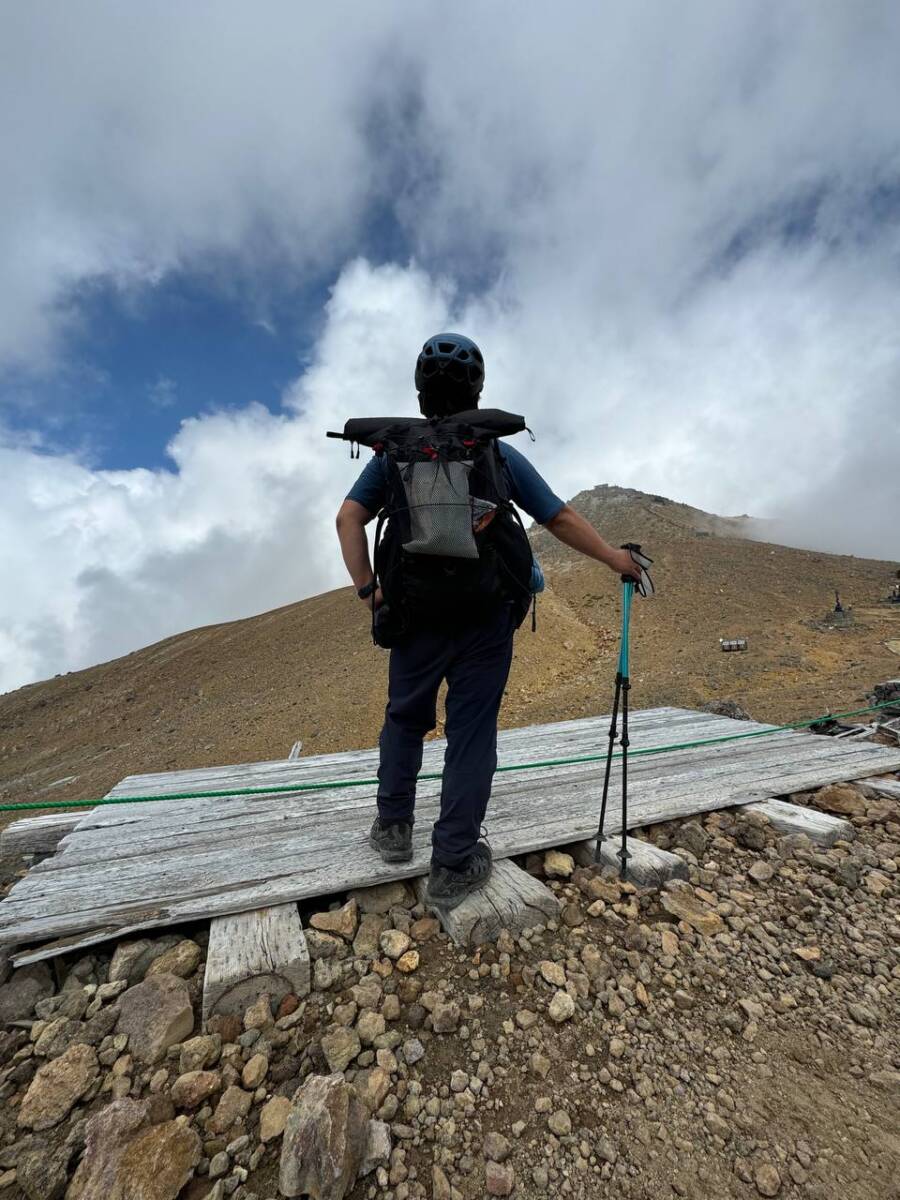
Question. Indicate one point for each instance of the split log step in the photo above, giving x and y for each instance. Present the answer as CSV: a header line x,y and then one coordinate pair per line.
x,y
819,827
37,835
881,787
511,899
648,866
254,952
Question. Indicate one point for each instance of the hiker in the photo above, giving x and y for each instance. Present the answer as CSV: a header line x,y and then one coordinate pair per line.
x,y
465,638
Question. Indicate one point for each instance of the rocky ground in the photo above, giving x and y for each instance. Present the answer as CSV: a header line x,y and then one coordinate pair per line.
x,y
735,1036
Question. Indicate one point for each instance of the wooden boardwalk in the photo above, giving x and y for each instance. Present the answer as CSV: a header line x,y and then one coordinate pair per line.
x,y
131,867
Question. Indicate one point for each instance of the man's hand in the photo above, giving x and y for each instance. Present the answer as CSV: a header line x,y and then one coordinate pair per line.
x,y
376,597
622,563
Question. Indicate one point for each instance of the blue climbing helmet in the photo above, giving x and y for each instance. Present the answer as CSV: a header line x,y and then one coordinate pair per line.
x,y
450,372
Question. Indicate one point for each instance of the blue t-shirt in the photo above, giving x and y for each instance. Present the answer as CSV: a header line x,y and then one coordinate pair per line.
x,y
527,489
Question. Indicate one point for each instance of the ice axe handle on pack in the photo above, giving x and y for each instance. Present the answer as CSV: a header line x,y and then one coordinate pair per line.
x,y
644,586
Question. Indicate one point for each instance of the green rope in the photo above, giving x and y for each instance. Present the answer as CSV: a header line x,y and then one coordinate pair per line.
x,y
332,784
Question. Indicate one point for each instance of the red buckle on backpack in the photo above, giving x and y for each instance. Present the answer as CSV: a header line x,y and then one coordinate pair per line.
x,y
430,451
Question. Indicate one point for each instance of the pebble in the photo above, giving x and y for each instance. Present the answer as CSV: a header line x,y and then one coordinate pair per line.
x,y
394,943
408,962
552,973
561,1007
497,1147
499,1178
413,1051
560,1123
558,865
767,1179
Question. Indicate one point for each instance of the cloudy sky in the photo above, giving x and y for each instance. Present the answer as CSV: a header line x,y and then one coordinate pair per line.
x,y
673,229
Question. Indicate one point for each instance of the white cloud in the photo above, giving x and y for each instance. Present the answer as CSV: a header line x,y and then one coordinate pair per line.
x,y
674,232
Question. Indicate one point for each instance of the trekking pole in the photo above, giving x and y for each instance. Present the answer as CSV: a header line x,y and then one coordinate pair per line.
x,y
623,686
627,594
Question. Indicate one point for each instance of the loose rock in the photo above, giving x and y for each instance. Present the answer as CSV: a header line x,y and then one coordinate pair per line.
x,y
557,865
342,921
57,1086
272,1118
561,1007
324,1140
155,1015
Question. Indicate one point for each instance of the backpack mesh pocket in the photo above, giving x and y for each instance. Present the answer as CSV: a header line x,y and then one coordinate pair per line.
x,y
440,510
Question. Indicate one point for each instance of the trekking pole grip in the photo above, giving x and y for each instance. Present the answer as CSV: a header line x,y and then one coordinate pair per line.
x,y
634,546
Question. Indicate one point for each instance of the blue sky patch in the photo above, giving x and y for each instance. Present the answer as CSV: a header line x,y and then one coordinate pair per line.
x,y
141,363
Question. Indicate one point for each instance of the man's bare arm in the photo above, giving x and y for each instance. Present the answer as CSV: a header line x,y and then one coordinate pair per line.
x,y
571,528
351,522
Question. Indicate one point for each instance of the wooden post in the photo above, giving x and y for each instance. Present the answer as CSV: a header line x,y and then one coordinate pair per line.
x,y
880,787
819,827
251,953
648,866
37,835
511,899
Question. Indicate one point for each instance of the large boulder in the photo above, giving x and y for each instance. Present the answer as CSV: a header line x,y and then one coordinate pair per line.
x,y
128,1158
57,1086
324,1140
155,1015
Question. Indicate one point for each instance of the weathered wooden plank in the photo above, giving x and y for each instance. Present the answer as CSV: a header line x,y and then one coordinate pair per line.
x,y
38,835
517,824
247,852
251,953
184,820
569,808
819,827
275,823
511,899
881,787
648,866
528,742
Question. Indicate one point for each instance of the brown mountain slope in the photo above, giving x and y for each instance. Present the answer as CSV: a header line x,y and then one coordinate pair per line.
x,y
248,689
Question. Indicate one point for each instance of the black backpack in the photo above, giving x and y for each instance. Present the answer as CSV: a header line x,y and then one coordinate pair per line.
x,y
450,549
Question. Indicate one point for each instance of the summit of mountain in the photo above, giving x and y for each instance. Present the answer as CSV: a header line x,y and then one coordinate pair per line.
x,y
618,511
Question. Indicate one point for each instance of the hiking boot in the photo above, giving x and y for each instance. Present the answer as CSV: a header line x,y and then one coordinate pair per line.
x,y
392,840
448,887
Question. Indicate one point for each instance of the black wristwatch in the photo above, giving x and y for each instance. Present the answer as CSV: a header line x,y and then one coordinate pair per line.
x,y
366,590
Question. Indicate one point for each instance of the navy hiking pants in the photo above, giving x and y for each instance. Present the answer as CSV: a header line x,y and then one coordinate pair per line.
x,y
475,662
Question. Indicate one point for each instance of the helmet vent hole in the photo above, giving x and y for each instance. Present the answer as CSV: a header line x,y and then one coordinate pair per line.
x,y
446,347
